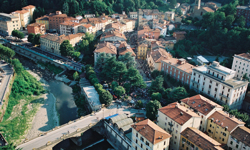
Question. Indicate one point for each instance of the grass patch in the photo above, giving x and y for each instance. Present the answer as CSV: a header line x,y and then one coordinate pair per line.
x,y
51,67
15,123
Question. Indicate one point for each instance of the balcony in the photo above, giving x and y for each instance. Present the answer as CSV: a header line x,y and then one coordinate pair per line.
x,y
170,123
170,130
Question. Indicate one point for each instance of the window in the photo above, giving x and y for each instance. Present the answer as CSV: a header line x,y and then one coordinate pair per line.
x,y
136,134
142,139
210,81
215,89
166,118
223,139
141,146
209,130
224,134
164,142
237,146
135,147
201,122
148,143
208,92
136,141
231,142
209,86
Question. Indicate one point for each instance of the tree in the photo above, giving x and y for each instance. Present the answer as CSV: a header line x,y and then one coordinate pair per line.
x,y
75,76
156,73
66,48
217,59
105,97
229,20
134,77
127,87
107,73
114,84
157,85
241,21
178,93
207,19
119,91
37,39
127,59
5,6
152,109
139,104
245,77
226,108
101,60
173,3
119,71
156,96
31,37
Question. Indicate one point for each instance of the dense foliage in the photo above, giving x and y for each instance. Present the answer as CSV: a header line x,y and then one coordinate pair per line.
x,y
18,34
152,109
34,38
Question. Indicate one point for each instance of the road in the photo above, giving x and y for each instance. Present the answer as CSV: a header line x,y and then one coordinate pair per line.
x,y
5,80
51,136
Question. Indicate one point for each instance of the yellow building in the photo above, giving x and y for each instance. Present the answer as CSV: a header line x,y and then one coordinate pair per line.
x,y
220,125
146,135
142,51
43,20
193,139
8,23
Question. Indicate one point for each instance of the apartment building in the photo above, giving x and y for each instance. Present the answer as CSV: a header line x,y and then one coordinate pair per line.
x,y
179,35
241,65
203,107
43,20
193,139
218,82
155,57
169,15
51,42
239,139
55,19
146,135
69,27
31,10
178,69
244,11
124,48
8,23
24,17
175,118
89,16
142,51
133,15
36,28
87,28
221,124
112,36
105,47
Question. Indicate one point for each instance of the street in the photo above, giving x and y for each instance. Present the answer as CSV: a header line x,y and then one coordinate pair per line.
x,y
5,80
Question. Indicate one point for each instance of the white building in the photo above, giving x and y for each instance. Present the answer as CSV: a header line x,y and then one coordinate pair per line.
x,y
201,60
146,135
241,65
175,118
219,83
203,107
133,15
169,15
239,139
69,27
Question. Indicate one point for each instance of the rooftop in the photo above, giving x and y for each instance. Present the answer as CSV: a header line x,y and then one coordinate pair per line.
x,y
242,134
21,11
219,68
207,9
152,132
200,139
244,55
43,18
178,113
106,47
36,24
125,48
243,7
61,38
7,16
69,23
223,119
160,54
29,7
201,104
186,67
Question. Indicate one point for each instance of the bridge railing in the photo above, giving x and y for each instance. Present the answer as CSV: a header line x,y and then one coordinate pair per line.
x,y
57,127
65,136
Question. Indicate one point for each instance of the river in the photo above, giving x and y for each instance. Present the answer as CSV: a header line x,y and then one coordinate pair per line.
x,y
65,104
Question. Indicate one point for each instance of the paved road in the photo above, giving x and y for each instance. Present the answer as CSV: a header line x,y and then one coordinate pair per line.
x,y
5,81
51,136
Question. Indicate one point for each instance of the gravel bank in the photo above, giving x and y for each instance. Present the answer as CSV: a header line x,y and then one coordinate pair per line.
x,y
46,117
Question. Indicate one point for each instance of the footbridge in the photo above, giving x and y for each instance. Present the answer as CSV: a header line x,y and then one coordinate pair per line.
x,y
44,56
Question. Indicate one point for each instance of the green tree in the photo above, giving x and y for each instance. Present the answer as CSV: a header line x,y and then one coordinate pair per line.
x,y
65,8
37,39
139,104
241,21
107,73
101,60
156,73
66,48
114,84
75,76
245,77
31,37
119,91
5,6
229,20
127,59
152,109
119,71
207,19
105,97
178,93
127,87
156,96
226,108
134,77
173,3
217,59
157,85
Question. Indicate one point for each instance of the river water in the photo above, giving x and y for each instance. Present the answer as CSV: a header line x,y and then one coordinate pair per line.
x,y
65,104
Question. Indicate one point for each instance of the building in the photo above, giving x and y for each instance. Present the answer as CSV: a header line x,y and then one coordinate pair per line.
x,y
154,58
169,15
105,47
89,16
51,42
24,17
201,60
221,124
31,10
69,27
178,69
130,24
43,20
192,138
148,34
203,107
112,36
87,28
36,28
124,48
142,51
147,135
244,11
8,23
90,94
239,139
179,35
55,19
246,104
241,65
175,118
218,82
169,45
133,15
199,11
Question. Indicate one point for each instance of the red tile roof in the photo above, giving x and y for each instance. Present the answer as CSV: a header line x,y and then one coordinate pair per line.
x,y
160,54
178,113
152,132
242,134
185,67
106,47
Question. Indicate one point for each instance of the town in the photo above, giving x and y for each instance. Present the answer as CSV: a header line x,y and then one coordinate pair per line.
x,y
124,75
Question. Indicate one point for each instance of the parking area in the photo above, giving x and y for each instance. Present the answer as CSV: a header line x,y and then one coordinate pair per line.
x,y
5,75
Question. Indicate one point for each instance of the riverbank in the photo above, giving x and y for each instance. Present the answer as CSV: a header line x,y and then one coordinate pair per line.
x,y
46,117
